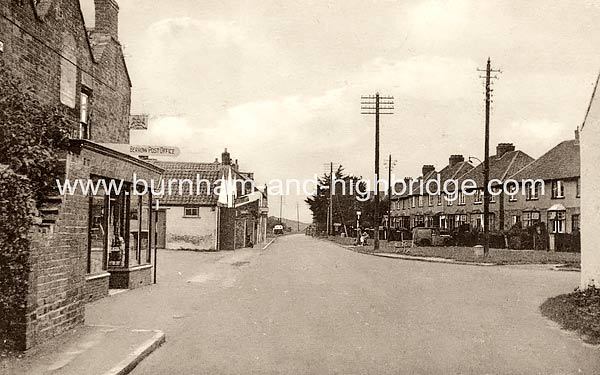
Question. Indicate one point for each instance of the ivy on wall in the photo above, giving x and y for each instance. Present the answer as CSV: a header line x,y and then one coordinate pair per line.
x,y
33,136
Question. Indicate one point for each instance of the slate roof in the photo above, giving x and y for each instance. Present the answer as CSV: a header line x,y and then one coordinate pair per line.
x,y
561,162
449,172
501,167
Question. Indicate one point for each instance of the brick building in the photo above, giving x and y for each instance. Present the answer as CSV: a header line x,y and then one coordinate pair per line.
x,y
559,206
85,244
195,219
449,212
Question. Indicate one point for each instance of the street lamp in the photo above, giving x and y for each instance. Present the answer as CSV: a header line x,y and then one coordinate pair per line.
x,y
358,224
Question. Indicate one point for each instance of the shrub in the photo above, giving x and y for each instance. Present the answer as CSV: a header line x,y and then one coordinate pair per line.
x,y
32,137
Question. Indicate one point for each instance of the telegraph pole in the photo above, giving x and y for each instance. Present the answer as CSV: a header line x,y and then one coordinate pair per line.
x,y
486,162
389,220
377,105
298,216
328,167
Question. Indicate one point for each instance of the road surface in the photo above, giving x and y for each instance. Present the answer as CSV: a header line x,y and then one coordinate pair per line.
x,y
305,306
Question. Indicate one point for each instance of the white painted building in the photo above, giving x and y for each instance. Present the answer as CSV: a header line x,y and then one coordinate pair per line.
x,y
590,193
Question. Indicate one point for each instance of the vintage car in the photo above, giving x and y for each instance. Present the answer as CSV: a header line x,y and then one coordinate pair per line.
x,y
426,236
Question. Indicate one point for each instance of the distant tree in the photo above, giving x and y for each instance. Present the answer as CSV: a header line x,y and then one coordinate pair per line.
x,y
347,191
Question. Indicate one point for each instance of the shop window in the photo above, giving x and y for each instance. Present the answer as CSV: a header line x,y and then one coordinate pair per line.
x,y
118,229
558,189
191,211
557,221
97,234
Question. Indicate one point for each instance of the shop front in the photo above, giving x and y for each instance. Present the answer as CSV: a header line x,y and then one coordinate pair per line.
x,y
121,230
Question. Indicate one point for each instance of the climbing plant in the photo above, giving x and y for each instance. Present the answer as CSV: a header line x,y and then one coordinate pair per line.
x,y
32,138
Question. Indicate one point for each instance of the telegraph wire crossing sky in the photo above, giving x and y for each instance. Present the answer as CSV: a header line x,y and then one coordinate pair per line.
x,y
283,92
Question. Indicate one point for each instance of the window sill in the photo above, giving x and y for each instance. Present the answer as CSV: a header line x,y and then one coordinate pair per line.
x,y
96,276
558,197
191,217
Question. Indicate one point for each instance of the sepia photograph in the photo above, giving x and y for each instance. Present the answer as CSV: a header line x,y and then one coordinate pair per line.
x,y
299,187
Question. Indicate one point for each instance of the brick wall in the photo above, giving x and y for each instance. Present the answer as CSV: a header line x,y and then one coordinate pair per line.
x,y
33,48
132,278
95,288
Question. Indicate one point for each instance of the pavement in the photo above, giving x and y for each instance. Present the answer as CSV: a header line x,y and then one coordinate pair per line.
x,y
88,349
304,306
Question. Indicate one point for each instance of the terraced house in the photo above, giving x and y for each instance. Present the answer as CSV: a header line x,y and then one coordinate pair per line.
x,y
559,205
85,244
457,209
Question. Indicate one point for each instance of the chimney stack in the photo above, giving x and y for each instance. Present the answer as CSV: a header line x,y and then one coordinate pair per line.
x,y
225,157
427,169
107,17
455,159
576,134
503,148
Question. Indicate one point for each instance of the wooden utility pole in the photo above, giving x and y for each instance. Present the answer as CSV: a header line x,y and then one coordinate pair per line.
x,y
377,105
486,162
389,211
281,209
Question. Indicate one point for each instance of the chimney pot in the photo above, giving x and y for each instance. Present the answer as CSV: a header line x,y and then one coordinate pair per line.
x,y
226,157
455,159
427,169
577,134
503,148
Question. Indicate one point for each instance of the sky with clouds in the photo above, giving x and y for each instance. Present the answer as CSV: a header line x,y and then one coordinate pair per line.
x,y
279,82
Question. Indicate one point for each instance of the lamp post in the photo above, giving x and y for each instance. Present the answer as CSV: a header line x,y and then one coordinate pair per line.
x,y
358,225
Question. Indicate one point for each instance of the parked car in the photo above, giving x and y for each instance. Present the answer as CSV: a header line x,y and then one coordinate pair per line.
x,y
424,236
278,229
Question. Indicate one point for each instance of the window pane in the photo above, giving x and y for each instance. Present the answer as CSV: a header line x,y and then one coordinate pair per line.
x,y
98,234
135,216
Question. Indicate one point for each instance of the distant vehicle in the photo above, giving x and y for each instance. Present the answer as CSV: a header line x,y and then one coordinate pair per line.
x,y
424,236
278,229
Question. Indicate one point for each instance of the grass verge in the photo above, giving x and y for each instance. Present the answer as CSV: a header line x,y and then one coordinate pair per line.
x,y
467,254
578,311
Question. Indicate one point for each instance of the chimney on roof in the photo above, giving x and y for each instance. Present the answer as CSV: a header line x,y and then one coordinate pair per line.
x,y
225,157
107,17
216,160
455,159
503,148
236,165
576,134
427,169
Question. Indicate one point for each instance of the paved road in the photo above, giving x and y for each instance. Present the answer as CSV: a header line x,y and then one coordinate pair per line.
x,y
310,307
